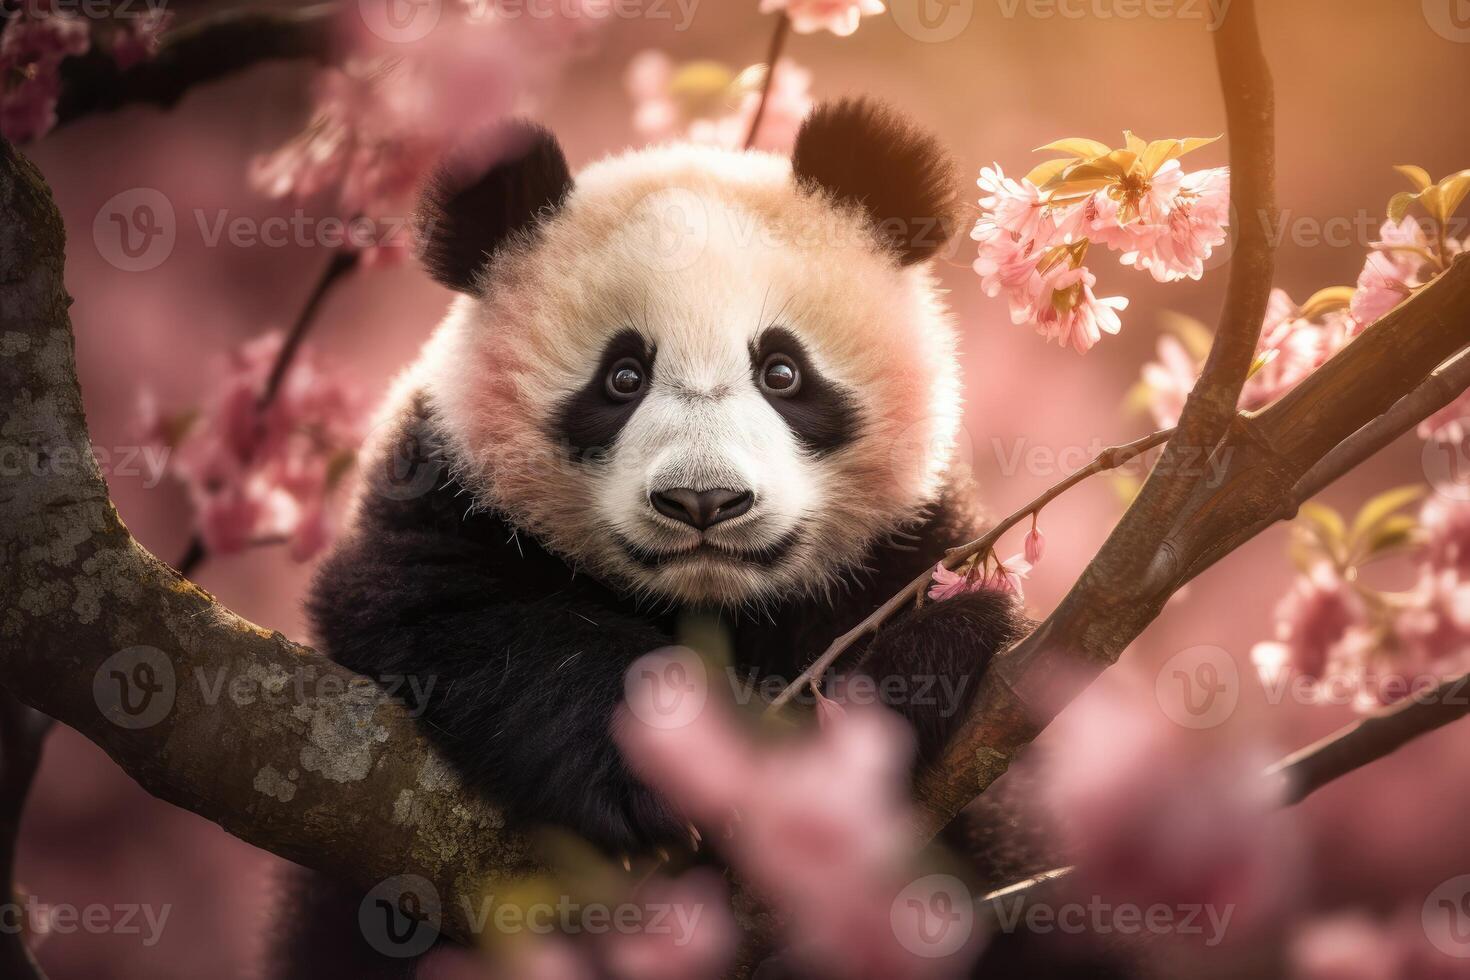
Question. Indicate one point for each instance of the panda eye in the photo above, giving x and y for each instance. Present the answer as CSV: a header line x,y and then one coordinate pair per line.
x,y
625,380
780,376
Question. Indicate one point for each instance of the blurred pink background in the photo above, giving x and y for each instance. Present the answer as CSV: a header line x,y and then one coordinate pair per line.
x,y
1361,85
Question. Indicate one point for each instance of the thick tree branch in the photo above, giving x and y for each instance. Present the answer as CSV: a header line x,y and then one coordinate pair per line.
x,y
22,733
213,48
282,747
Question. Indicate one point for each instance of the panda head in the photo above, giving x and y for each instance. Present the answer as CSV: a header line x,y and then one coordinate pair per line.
x,y
708,376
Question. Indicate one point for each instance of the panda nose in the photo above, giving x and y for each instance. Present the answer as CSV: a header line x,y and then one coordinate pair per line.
x,y
701,508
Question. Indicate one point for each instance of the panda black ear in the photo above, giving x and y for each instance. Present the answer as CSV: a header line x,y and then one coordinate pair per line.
x,y
863,153
483,196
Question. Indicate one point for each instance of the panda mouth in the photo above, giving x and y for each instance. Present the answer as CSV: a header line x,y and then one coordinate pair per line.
x,y
764,555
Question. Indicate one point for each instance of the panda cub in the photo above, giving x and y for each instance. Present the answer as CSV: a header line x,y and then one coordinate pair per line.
x,y
688,379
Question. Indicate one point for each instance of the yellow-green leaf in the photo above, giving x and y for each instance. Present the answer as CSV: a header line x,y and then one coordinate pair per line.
x,y
1398,205
1432,198
1398,532
1324,301
1138,399
1262,359
1418,176
1044,173
1327,524
1133,143
1160,152
1380,508
1453,190
1078,147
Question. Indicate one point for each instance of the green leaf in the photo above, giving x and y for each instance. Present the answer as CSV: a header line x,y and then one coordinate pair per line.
x,y
1324,301
1044,173
1077,147
1453,190
1328,527
1398,205
1398,533
1378,510
1418,176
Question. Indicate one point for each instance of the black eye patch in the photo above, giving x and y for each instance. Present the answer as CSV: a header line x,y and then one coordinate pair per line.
x,y
590,420
822,415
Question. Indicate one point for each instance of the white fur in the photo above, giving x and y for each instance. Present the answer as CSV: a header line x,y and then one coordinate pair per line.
x,y
698,249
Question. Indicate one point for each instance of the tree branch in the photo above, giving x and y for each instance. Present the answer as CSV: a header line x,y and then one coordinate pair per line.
x,y
22,733
1345,751
343,781
1109,459
213,48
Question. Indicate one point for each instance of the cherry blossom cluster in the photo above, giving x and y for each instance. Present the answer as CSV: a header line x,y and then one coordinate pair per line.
x,y
1349,642
264,473
385,117
1034,234
33,44
707,102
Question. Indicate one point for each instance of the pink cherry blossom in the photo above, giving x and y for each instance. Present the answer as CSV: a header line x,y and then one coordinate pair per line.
x,y
1169,380
1347,946
258,476
841,17
138,37
1073,315
1158,813
1391,269
32,46
1035,545
1015,206
1185,233
819,826
700,898
1313,617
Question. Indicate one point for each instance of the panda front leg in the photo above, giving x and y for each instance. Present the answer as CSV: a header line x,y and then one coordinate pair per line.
x,y
927,665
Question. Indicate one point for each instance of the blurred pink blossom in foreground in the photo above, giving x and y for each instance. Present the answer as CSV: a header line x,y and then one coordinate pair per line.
x,y
1153,812
138,36
820,826
382,120
264,476
841,17
706,102
1357,946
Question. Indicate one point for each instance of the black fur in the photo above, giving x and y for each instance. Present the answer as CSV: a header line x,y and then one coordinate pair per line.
x,y
590,419
864,154
467,211
823,416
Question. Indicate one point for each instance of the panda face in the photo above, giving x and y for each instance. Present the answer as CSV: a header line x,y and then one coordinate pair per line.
x,y
700,380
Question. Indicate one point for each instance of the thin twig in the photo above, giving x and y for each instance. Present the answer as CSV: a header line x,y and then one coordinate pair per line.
x,y
1108,459
22,734
1443,386
778,42
343,261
